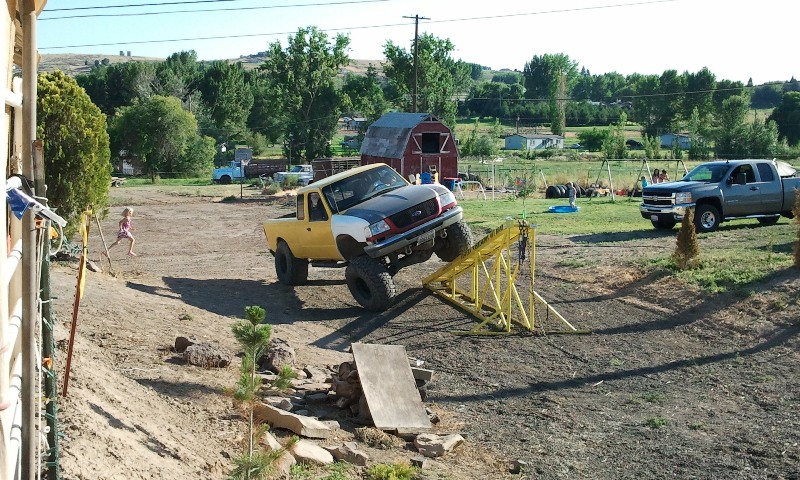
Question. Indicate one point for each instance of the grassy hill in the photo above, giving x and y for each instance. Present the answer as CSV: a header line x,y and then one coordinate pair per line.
x,y
76,63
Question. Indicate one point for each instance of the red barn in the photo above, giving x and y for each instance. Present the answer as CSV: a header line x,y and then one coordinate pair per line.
x,y
411,143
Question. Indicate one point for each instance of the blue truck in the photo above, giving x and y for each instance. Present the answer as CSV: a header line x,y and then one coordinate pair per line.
x,y
721,191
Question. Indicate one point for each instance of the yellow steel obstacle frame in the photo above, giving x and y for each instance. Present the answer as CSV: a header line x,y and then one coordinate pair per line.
x,y
495,301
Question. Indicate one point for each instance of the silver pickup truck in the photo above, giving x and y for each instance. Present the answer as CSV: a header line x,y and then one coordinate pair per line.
x,y
721,191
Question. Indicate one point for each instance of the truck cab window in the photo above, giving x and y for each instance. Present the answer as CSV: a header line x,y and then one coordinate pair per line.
x,y
743,173
765,172
316,210
301,207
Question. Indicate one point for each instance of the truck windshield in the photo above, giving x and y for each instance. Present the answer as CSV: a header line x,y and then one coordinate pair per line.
x,y
296,168
355,189
707,174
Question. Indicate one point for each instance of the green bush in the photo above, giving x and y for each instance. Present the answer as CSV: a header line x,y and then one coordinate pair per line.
x,y
383,471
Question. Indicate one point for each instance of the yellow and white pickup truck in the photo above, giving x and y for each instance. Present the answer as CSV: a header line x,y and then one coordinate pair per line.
x,y
371,220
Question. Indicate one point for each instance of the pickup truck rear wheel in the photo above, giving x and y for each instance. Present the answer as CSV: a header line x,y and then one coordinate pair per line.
x,y
290,269
457,241
225,179
370,283
706,218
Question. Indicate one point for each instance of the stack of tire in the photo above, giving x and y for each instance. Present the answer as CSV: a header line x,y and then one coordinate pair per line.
x,y
561,191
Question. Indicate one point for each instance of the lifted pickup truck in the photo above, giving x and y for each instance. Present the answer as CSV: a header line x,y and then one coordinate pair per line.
x,y
371,220
721,191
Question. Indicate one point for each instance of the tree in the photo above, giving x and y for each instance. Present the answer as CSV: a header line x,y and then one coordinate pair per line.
x,y
700,88
363,94
158,132
699,133
227,98
440,78
114,86
614,141
593,139
551,76
303,78
787,118
76,147
178,76
731,128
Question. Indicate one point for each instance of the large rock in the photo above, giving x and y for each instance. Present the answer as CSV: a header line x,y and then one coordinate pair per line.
x,y
279,354
347,453
432,445
206,356
284,463
299,424
310,453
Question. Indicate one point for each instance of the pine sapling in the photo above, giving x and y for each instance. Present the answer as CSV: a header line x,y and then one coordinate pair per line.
x,y
254,336
687,249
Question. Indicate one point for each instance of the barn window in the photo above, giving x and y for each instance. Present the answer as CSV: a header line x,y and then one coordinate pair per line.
x,y
430,142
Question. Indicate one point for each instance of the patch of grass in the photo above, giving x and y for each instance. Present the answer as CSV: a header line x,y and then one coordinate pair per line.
x,y
271,189
230,198
573,263
185,317
656,422
189,182
396,471
696,426
615,362
653,396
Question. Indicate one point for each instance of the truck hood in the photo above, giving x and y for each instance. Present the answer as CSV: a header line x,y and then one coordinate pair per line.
x,y
665,189
386,205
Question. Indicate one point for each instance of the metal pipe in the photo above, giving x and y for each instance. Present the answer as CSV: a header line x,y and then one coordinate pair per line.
x,y
29,263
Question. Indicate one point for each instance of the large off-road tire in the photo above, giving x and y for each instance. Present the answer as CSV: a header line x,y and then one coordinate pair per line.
x,y
768,220
706,218
458,240
290,269
225,179
370,283
663,224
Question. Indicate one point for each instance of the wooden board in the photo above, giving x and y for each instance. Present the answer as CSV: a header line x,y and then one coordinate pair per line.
x,y
389,388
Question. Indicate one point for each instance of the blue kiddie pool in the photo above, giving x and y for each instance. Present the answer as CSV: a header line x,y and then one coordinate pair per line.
x,y
563,209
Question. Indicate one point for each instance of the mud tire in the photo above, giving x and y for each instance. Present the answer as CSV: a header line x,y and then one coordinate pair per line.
x,y
370,283
290,269
458,240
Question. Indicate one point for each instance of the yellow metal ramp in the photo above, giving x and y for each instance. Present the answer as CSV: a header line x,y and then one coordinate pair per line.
x,y
494,282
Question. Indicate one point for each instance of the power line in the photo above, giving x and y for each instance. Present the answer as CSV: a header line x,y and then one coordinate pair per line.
x,y
206,10
138,5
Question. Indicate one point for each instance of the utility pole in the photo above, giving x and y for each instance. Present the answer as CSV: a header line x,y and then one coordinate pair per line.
x,y
416,18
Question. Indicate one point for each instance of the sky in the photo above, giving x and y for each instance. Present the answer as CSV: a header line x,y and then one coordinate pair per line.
x,y
734,40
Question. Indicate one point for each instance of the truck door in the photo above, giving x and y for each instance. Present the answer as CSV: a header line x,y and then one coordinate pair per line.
x,y
318,239
770,188
741,192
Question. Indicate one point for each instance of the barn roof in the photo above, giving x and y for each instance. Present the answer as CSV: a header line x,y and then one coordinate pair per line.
x,y
388,136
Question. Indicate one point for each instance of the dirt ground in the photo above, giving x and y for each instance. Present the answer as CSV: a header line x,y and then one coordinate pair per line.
x,y
670,383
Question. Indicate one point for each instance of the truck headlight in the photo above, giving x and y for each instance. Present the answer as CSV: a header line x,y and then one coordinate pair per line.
x,y
376,229
683,197
447,199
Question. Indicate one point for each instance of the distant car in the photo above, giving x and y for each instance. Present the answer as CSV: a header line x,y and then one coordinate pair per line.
x,y
576,146
633,144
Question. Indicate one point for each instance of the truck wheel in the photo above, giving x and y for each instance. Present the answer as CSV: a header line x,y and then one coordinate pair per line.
x,y
768,220
663,224
370,283
290,270
225,179
706,218
457,241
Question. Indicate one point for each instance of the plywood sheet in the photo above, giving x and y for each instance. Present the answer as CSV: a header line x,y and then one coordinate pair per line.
x,y
389,388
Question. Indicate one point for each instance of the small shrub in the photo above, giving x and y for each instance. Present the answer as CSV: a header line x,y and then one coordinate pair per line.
x,y
687,248
271,189
291,182
656,422
696,426
653,397
230,198
383,471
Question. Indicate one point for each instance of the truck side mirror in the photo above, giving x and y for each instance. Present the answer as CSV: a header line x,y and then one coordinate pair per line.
x,y
741,178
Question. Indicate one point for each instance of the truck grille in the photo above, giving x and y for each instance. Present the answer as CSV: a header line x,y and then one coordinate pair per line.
x,y
416,214
659,200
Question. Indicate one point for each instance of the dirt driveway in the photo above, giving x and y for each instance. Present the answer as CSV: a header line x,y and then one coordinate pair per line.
x,y
684,386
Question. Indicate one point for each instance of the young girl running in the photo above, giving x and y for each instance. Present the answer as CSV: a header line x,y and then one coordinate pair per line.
x,y
125,227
